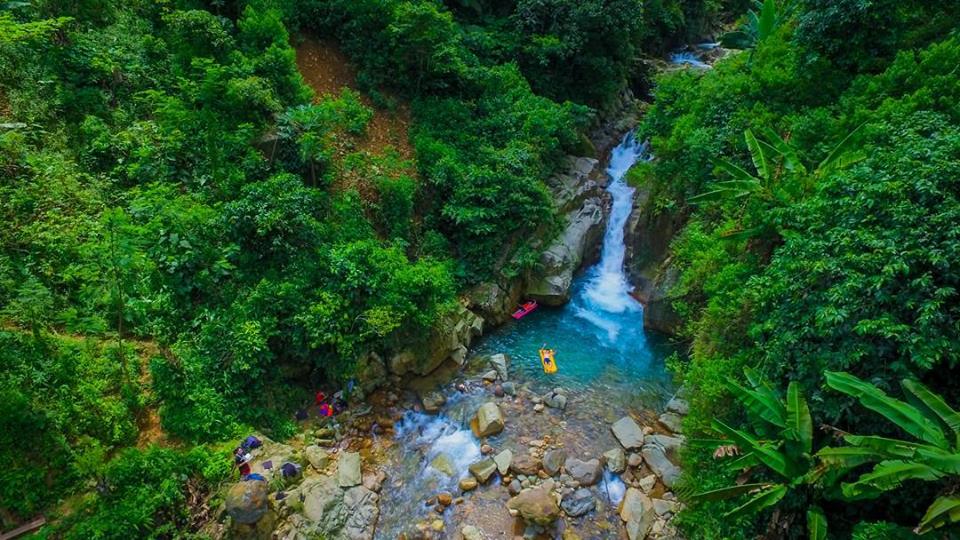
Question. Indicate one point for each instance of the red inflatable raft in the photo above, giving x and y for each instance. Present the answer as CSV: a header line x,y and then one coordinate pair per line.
x,y
524,309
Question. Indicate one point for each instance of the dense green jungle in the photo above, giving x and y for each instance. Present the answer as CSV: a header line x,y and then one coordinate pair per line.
x,y
213,210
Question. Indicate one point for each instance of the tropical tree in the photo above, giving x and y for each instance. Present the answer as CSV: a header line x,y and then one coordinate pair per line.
x,y
933,456
762,21
782,443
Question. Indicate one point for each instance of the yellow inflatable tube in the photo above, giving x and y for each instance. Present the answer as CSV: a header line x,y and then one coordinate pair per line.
x,y
548,358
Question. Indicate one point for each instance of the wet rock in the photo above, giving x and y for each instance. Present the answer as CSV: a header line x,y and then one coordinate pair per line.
x,y
628,433
247,501
525,464
578,503
555,401
553,460
647,483
664,508
489,420
444,498
538,407
444,463
678,406
483,470
459,355
486,449
656,459
536,506
587,473
636,510
436,525
498,390
634,459
514,487
670,445
490,375
616,460
348,470
503,460
671,421
363,511
433,401
470,532
317,457
510,388
499,363
468,484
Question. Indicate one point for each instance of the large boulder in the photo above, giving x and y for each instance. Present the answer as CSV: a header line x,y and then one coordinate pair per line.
x,y
578,503
331,512
489,420
371,372
656,459
616,460
449,339
672,421
553,460
584,228
537,506
628,432
503,460
432,401
587,473
636,510
247,501
483,470
525,464
499,363
348,470
318,457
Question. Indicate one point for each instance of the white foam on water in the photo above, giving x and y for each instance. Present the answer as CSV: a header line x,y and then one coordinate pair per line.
x,y
608,289
688,58
613,487
439,435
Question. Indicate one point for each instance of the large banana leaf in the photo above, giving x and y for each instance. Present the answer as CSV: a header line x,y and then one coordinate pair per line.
x,y
941,460
737,172
934,406
729,492
896,447
888,475
767,21
764,499
760,160
799,429
849,457
766,455
900,413
791,160
943,510
838,158
816,524
761,402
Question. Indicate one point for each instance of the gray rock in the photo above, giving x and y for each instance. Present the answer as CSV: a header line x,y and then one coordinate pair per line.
x,y
616,460
663,508
553,460
363,510
490,375
247,502
556,401
648,482
587,473
656,459
514,487
348,470
444,463
510,388
318,457
483,470
578,502
628,433
634,459
670,445
503,460
678,406
525,464
459,355
536,506
671,421
499,363
489,420
433,401
636,510
332,512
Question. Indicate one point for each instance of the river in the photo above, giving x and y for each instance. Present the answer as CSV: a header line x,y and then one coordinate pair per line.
x,y
608,366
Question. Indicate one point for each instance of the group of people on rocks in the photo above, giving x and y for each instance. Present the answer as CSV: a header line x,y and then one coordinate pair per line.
x,y
242,457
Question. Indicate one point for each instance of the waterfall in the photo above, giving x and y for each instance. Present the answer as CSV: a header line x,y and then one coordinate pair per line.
x,y
608,288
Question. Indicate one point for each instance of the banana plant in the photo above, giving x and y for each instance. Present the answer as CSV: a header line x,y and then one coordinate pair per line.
x,y
782,443
933,455
762,22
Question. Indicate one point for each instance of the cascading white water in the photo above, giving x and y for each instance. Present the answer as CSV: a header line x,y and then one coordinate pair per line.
x,y
689,58
608,288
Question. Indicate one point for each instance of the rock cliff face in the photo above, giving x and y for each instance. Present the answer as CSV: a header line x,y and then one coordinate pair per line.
x,y
648,236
